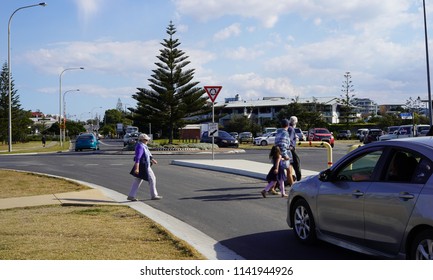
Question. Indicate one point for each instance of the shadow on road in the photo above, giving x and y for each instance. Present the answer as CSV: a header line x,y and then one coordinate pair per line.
x,y
282,245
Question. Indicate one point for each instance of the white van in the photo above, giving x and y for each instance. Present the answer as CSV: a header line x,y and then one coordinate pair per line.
x,y
131,129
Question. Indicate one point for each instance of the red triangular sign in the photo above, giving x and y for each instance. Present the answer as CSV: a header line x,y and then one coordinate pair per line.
x,y
212,91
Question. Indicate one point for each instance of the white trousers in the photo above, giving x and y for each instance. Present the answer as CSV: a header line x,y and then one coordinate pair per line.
x,y
152,184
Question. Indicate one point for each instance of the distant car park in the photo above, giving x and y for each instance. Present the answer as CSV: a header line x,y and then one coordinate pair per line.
x,y
344,134
265,139
245,137
360,134
373,135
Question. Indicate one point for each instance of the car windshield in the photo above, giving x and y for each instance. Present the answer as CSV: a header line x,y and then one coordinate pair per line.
x,y
324,131
224,134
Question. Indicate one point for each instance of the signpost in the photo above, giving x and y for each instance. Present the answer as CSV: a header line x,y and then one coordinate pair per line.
x,y
213,91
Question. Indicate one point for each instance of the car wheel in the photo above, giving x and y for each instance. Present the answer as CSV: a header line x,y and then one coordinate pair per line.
x,y
263,143
422,246
303,222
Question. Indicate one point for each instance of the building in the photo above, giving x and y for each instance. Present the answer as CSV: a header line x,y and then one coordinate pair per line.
x,y
365,106
268,108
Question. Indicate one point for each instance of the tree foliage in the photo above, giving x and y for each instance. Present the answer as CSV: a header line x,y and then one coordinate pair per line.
x,y
173,95
346,100
20,118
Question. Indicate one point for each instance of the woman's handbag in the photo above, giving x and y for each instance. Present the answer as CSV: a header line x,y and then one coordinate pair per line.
x,y
142,171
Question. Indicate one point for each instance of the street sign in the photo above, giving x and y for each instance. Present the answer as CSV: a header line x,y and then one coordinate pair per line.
x,y
213,129
212,91
406,116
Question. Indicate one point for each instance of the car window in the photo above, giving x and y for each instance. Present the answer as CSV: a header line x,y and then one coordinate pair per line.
x,y
224,134
406,166
85,137
361,168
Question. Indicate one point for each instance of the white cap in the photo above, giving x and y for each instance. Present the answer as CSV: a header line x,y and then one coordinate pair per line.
x,y
143,136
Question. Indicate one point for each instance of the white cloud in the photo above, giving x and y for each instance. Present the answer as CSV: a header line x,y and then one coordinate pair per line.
x,y
242,53
230,31
125,58
88,8
253,84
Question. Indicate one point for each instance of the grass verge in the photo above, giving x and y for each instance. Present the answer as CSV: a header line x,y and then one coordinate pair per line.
x,y
34,147
79,232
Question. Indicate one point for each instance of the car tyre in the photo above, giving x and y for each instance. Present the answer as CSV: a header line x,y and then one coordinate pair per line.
x,y
303,222
263,143
422,246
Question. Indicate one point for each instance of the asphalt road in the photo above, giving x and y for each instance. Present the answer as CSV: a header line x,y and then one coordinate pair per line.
x,y
228,208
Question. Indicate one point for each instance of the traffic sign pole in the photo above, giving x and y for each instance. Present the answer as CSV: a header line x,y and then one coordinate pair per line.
x,y
212,91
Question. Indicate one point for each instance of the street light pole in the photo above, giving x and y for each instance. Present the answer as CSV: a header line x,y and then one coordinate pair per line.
x,y
428,66
64,111
60,100
9,71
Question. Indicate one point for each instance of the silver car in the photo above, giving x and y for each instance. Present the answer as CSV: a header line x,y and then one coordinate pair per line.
x,y
377,200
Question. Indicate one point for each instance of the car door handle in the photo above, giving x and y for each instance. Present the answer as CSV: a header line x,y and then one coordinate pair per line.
x,y
406,196
357,193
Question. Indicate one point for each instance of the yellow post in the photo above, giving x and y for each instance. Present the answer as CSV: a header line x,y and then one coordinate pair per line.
x,y
318,144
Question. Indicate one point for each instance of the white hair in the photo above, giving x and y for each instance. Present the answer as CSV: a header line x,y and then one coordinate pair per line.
x,y
293,120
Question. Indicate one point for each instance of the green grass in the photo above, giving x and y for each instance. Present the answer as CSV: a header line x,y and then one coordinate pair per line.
x,y
34,147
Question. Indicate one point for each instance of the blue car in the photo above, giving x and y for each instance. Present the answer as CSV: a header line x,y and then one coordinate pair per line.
x,y
86,141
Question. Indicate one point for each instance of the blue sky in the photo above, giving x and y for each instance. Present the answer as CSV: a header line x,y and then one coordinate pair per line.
x,y
253,48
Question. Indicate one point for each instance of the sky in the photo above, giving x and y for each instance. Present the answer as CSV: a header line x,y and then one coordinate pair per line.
x,y
254,48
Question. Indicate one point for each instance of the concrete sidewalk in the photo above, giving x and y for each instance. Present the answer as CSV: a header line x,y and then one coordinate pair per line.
x,y
86,197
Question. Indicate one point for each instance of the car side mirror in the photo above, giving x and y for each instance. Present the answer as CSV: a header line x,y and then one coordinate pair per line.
x,y
324,175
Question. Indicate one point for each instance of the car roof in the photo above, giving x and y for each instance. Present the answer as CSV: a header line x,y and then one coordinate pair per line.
x,y
418,141
86,135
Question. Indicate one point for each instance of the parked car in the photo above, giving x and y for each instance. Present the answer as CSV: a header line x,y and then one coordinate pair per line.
x,y
265,139
224,139
321,134
246,137
234,134
300,134
374,200
86,141
420,128
391,129
344,134
360,134
403,131
373,135
423,132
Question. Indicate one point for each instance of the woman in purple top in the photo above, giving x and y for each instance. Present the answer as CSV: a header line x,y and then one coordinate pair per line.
x,y
142,169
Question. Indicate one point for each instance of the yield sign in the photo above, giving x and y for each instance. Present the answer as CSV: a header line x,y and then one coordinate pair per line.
x,y
212,91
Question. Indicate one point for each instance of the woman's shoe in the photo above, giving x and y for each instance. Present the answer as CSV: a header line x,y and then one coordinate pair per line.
x,y
284,195
263,193
131,198
274,192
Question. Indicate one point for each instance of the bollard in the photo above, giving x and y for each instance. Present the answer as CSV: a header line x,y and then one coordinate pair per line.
x,y
318,144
